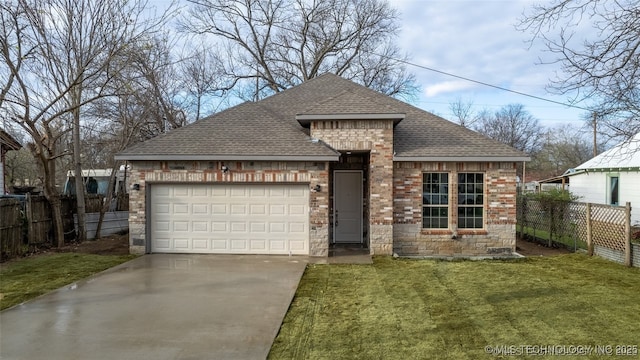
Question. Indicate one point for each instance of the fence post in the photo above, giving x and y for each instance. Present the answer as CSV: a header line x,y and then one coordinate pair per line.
x,y
28,213
551,217
521,200
627,231
589,233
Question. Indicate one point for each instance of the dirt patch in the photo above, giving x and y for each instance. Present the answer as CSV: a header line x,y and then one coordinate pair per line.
x,y
108,245
528,248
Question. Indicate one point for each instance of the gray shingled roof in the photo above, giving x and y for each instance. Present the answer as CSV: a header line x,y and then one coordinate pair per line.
x,y
268,129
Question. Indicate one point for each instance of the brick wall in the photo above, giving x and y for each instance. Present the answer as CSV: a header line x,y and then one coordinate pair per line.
x,y
209,172
498,234
375,136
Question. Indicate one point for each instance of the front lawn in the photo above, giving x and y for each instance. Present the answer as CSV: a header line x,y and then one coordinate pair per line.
x,y
25,279
428,309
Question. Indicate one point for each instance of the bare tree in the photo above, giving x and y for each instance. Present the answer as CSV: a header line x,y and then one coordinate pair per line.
x,y
57,58
565,147
271,45
463,112
514,126
200,73
597,43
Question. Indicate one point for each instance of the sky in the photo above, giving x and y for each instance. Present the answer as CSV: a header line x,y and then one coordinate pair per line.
x,y
477,39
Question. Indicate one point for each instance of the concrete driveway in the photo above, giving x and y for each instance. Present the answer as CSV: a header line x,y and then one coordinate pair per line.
x,y
159,307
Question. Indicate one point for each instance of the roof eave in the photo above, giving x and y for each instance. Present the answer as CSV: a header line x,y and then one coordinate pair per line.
x,y
606,169
174,157
306,119
462,158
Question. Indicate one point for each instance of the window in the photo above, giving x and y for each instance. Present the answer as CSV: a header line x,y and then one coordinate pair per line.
x,y
613,190
470,200
435,200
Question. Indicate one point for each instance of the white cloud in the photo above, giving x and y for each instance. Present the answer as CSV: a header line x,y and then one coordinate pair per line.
x,y
445,87
477,40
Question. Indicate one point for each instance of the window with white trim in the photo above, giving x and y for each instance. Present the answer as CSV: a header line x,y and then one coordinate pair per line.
x,y
614,192
470,200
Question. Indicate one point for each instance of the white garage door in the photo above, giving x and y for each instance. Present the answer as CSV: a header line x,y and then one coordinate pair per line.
x,y
230,219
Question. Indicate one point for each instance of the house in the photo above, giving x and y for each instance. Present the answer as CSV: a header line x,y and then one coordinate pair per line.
x,y
611,178
7,142
325,163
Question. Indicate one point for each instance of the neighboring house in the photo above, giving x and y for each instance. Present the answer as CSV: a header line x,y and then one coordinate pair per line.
x,y
325,163
7,142
611,178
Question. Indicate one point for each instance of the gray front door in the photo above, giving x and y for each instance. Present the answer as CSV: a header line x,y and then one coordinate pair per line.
x,y
347,206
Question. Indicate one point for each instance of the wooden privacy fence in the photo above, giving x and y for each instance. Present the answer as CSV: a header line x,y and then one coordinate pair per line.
x,y
27,222
11,227
601,229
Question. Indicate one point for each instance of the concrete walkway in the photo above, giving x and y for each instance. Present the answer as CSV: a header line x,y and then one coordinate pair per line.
x,y
159,307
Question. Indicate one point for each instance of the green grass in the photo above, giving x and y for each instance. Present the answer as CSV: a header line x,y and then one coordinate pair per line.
x,y
567,241
28,278
428,309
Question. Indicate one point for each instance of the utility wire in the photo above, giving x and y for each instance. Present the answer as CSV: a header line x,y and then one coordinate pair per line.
x,y
481,82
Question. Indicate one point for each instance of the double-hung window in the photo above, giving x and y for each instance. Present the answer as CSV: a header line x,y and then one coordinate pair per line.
x,y
435,200
470,200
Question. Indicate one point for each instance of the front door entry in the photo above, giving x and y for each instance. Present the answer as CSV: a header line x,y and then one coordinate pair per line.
x,y
347,206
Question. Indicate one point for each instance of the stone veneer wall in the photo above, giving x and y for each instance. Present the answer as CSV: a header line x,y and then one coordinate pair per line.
x,y
209,172
375,136
499,233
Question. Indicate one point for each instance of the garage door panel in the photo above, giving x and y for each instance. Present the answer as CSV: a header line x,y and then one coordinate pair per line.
x,y
163,226
200,226
277,245
296,245
219,209
220,245
200,209
277,227
238,191
200,244
297,227
277,209
275,193
180,226
200,191
162,208
298,193
180,209
257,209
295,210
256,192
238,227
218,191
239,244
181,191
239,209
258,227
223,218
259,245
181,243
219,226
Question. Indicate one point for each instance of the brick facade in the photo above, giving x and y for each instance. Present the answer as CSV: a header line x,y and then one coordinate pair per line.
x,y
375,136
393,197
498,234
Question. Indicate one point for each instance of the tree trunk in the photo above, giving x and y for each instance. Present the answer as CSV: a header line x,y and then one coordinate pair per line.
x,y
53,197
77,160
